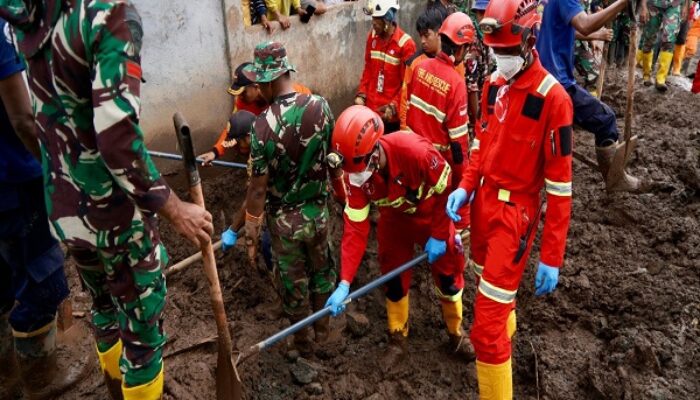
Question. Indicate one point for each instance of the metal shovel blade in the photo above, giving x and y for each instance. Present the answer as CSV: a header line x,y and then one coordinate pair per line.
x,y
228,382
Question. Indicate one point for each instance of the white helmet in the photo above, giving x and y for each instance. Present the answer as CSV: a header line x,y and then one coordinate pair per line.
x,y
379,8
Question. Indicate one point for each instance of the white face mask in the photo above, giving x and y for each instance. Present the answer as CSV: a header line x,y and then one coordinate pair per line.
x,y
508,66
358,179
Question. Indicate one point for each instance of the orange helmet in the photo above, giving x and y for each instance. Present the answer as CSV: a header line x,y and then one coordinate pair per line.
x,y
355,136
458,28
508,23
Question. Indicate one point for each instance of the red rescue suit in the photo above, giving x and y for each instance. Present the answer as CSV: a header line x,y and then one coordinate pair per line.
x,y
437,98
411,193
525,144
385,63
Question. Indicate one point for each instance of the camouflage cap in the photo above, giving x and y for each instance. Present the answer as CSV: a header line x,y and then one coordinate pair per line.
x,y
269,64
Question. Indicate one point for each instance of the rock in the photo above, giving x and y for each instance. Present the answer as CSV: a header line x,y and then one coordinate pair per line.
x,y
314,389
357,323
303,371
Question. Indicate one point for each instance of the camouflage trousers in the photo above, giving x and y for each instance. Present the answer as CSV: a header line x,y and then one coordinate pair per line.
x,y
665,20
128,291
302,252
585,63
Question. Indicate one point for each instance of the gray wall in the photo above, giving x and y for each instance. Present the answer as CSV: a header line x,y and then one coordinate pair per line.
x,y
188,45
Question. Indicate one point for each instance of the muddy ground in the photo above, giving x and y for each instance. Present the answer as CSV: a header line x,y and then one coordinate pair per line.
x,y
623,323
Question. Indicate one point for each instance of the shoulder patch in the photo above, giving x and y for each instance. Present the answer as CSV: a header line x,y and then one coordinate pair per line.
x,y
533,106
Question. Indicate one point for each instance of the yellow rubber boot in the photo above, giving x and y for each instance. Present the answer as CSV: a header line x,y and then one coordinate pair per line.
x,y
152,390
109,364
397,315
638,58
665,58
459,343
511,324
495,380
647,60
678,55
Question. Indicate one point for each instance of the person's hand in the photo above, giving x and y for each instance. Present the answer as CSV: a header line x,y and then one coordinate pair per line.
x,y
253,226
266,24
189,220
336,301
284,21
228,239
360,101
604,34
546,279
684,12
320,8
455,201
435,249
644,14
207,158
301,12
387,112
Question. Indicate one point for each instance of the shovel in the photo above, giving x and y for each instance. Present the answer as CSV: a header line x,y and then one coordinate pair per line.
x,y
320,314
228,384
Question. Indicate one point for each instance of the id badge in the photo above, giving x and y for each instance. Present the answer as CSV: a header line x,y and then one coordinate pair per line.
x,y
380,82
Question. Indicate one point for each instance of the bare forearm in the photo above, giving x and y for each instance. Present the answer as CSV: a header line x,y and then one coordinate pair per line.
x,y
15,98
257,192
587,24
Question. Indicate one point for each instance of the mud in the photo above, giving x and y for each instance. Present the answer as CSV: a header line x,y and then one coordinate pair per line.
x,y
623,323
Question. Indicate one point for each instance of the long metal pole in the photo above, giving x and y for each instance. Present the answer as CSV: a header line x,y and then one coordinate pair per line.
x,y
176,157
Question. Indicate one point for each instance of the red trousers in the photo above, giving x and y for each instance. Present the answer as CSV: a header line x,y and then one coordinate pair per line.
x,y
398,234
696,81
496,230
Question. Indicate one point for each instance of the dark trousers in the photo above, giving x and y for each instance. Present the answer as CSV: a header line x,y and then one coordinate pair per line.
x,y
593,115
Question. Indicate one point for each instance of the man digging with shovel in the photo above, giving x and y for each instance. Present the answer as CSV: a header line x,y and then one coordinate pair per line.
x,y
289,183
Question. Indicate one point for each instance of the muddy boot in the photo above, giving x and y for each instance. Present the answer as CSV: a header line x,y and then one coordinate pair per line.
x,y
109,364
152,390
301,344
396,351
46,371
321,327
9,380
611,163
461,346
678,54
647,60
665,58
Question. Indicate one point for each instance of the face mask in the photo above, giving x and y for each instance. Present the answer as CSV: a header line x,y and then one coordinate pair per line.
x,y
508,66
358,179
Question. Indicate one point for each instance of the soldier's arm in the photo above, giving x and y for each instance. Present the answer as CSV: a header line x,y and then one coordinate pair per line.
x,y
116,86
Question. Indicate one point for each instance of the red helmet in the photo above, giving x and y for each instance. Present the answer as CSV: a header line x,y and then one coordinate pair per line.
x,y
355,135
458,28
507,23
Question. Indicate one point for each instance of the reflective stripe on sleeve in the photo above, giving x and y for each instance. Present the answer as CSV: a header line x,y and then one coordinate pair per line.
x,y
478,269
427,108
459,131
405,38
476,145
546,85
562,189
381,56
495,293
356,215
441,184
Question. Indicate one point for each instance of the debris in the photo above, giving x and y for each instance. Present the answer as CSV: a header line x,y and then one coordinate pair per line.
x,y
314,389
358,323
303,371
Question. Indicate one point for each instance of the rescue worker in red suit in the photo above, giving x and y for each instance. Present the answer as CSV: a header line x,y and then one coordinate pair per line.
x,y
386,53
408,180
438,99
526,144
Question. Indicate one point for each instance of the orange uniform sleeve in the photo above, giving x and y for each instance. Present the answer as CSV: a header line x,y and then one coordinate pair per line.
x,y
219,148
403,106
472,173
355,231
457,124
364,81
558,149
438,179
407,51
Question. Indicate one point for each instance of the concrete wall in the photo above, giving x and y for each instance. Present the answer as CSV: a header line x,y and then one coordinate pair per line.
x,y
186,64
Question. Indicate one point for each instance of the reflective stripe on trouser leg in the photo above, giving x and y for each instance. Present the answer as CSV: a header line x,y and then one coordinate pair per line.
x,y
397,315
495,380
137,286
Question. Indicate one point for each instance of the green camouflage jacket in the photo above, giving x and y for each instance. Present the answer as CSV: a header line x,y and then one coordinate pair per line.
x,y
84,76
290,143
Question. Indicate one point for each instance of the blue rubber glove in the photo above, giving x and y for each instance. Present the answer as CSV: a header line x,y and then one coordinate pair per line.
x,y
546,279
337,298
435,249
455,201
228,239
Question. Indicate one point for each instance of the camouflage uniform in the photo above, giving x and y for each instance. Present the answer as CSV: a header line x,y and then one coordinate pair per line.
x,y
584,60
102,188
290,143
666,13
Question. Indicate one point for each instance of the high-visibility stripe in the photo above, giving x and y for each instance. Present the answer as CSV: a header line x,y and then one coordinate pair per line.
x,y
476,145
356,215
562,189
441,184
495,293
478,269
504,195
381,56
455,297
405,38
459,131
546,85
427,108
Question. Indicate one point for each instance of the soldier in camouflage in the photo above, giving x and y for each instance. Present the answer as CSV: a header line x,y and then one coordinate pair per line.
x,y
101,187
290,183
479,64
660,17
